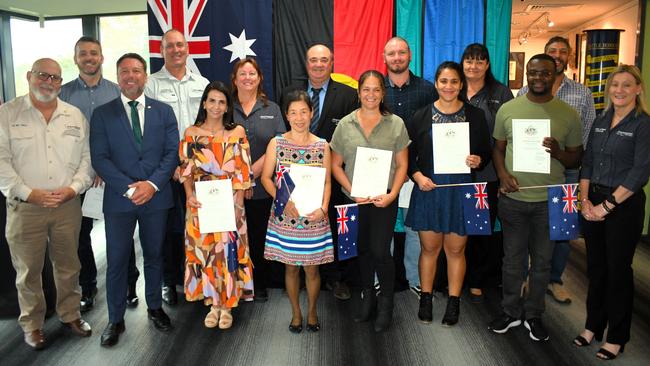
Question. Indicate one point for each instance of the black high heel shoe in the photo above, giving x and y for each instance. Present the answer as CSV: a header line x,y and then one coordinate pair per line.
x,y
606,355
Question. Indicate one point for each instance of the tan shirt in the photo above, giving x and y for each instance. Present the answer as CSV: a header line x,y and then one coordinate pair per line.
x,y
37,154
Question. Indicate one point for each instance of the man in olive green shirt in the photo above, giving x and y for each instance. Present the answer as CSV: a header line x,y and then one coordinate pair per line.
x,y
524,213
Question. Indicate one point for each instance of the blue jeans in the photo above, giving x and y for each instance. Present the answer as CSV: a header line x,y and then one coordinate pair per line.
x,y
412,255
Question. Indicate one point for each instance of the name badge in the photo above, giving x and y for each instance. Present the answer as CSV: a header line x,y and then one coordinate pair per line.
x,y
267,117
599,130
335,121
625,134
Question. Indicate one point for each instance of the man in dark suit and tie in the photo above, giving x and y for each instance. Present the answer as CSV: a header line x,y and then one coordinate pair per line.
x,y
134,144
331,101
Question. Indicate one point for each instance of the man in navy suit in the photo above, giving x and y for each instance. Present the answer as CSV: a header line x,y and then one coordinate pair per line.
x,y
134,144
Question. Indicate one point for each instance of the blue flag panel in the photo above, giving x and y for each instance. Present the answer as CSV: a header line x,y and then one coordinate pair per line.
x,y
476,211
563,212
347,218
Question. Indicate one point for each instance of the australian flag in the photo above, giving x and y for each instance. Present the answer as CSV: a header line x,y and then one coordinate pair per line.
x,y
563,212
230,250
347,217
476,211
218,33
285,186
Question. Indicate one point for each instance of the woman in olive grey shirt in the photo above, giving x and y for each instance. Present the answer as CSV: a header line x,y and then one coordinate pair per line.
x,y
373,126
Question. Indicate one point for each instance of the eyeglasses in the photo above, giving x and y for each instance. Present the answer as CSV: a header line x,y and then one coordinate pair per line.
x,y
43,76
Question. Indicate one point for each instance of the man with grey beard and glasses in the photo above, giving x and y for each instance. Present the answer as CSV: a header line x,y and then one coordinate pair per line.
x,y
44,165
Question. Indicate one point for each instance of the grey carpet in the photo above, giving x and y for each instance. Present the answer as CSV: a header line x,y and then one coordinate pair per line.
x,y
260,336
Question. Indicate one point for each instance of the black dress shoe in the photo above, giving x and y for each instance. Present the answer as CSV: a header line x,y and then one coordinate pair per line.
x,y
111,334
87,300
313,327
169,295
131,297
160,320
295,328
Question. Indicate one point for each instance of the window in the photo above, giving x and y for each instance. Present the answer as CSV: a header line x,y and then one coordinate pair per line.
x,y
122,34
55,40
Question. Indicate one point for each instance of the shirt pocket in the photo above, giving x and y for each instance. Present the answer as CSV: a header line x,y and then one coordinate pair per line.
x,y
22,139
168,96
72,139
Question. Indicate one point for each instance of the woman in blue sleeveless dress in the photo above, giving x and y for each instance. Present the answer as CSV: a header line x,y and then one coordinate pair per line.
x,y
437,214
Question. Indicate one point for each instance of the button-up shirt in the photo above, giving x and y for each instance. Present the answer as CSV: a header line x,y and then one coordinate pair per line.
x,y
580,98
321,95
87,98
184,96
261,124
389,134
618,156
403,101
35,154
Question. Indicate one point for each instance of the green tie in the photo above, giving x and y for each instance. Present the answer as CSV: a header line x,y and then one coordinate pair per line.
x,y
135,122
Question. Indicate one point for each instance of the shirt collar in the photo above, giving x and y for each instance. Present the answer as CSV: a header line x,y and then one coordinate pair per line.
x,y
140,100
408,81
188,74
82,84
323,87
61,107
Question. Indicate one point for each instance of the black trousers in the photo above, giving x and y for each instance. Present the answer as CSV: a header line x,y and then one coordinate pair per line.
x,y
373,243
610,249
88,272
485,252
257,219
174,242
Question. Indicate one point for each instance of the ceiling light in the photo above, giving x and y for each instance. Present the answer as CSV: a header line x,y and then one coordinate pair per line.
x,y
549,22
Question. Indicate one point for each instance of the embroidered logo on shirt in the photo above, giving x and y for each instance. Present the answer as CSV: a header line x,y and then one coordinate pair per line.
x,y
335,121
267,117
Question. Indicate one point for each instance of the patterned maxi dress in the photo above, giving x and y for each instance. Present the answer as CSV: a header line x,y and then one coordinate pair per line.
x,y
298,241
218,268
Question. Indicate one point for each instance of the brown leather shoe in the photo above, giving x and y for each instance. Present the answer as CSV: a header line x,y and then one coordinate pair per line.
x,y
35,339
79,327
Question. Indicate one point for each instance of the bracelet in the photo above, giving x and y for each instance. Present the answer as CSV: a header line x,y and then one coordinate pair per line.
x,y
611,199
607,208
323,211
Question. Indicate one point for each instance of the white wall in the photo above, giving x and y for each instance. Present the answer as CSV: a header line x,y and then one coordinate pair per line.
x,y
625,17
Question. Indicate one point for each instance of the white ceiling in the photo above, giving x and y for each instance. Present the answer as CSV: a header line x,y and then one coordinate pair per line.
x,y
60,8
565,16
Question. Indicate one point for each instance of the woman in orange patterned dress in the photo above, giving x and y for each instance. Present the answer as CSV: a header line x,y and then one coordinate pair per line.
x,y
218,268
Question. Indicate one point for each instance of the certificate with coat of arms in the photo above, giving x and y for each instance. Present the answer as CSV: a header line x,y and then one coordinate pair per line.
x,y
528,153
217,211
371,172
450,147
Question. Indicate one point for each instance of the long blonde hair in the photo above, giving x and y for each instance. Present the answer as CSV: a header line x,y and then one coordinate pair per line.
x,y
641,105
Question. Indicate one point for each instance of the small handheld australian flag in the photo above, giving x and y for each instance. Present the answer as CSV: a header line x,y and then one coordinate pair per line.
x,y
563,212
476,211
285,186
347,221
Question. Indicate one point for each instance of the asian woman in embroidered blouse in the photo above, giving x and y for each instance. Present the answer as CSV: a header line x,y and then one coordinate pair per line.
x,y
292,239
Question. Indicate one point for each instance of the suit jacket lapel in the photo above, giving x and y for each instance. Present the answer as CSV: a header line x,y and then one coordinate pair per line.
x,y
330,95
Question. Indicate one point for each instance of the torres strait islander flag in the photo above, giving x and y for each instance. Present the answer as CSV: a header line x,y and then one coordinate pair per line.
x,y
218,32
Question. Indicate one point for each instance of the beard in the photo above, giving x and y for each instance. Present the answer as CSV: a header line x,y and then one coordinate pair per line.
x,y
398,69
561,68
44,98
540,93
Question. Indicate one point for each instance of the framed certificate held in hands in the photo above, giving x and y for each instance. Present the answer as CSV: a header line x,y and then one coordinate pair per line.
x,y
307,195
217,211
371,172
450,147
528,153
